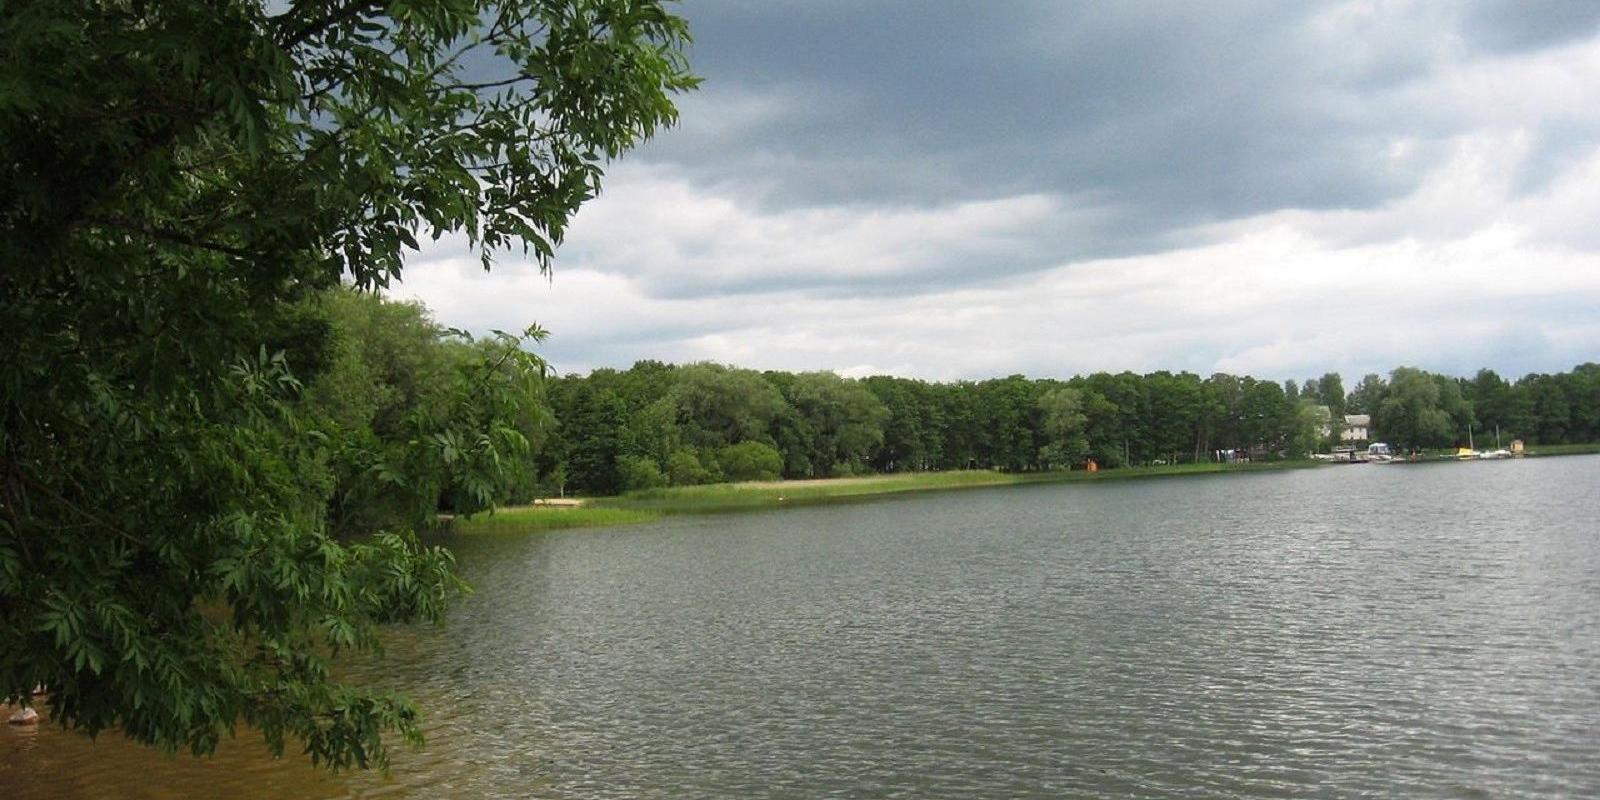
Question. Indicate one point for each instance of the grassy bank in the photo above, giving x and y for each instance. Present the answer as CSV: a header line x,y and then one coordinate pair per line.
x,y
649,504
720,497
549,518
1563,449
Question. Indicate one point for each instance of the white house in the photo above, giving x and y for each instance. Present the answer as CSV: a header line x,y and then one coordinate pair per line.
x,y
1357,427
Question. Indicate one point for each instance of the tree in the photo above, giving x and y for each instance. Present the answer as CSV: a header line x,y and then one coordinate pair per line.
x,y
1176,405
1453,402
684,468
1367,395
638,472
1410,414
1006,410
1491,398
719,406
417,417
652,431
176,179
911,436
1552,411
750,461
957,407
842,419
1267,418
1582,387
1114,423
1329,392
1304,429
1336,430
593,425
1063,423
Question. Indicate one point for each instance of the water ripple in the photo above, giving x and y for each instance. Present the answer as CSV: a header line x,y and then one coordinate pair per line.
x,y
1357,632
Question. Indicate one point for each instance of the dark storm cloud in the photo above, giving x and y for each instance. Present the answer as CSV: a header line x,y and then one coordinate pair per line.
x,y
1174,114
969,189
1520,25
1145,119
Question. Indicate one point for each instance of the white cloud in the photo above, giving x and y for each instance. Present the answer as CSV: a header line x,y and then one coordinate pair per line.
x,y
1476,265
678,238
1273,301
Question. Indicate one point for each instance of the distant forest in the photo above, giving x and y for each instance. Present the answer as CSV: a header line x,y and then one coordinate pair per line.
x,y
416,417
659,424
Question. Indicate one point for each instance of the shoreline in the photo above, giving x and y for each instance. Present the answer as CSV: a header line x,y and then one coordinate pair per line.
x,y
647,505
650,504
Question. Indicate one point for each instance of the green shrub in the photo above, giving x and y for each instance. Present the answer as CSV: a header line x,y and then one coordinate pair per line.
x,y
685,469
750,461
637,472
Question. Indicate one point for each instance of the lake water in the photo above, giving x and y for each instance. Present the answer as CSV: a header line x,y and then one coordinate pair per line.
x,y
1383,631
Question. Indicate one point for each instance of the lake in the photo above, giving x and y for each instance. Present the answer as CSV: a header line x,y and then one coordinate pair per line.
x,y
1404,630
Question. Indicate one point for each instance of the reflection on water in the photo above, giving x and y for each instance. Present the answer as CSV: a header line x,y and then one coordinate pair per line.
x,y
1403,631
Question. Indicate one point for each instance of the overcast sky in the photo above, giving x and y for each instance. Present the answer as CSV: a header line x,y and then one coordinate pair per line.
x,y
968,190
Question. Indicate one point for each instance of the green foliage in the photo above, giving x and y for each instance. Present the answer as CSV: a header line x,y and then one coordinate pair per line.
x,y
1005,411
750,461
725,497
548,518
837,423
1303,436
720,405
913,436
179,182
1063,424
1563,408
1364,399
820,424
1330,392
423,418
1410,414
684,468
637,472
652,431
592,433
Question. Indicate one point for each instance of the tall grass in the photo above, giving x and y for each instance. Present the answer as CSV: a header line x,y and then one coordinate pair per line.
x,y
648,504
549,518
1563,449
719,497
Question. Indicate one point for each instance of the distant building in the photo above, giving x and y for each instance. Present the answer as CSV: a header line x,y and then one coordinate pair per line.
x,y
1357,427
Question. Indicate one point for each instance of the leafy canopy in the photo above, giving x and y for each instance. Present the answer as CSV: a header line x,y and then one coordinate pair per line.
x,y
178,179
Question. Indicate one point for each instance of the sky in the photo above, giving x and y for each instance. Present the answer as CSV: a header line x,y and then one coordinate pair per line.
x,y
957,190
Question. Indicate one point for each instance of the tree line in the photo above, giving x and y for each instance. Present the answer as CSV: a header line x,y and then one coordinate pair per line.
x,y
658,424
1415,409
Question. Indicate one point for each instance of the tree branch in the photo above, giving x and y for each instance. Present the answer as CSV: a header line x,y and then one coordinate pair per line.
x,y
474,87
174,237
86,514
350,11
